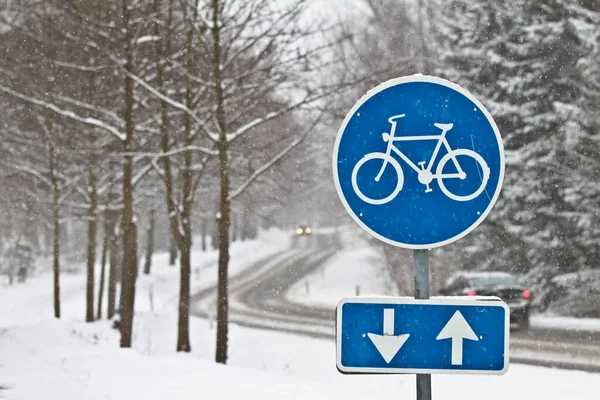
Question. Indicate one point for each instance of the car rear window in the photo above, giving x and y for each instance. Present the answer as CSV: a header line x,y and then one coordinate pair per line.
x,y
493,280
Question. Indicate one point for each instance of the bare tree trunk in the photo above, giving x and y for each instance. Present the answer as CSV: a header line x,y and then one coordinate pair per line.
x,y
224,206
245,221
222,286
31,229
56,255
203,233
164,132
234,226
129,267
128,281
91,250
113,273
172,251
185,242
55,232
214,235
129,232
178,218
249,228
183,323
105,241
150,242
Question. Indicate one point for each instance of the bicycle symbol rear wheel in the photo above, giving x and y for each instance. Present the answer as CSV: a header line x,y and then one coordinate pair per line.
x,y
383,157
483,174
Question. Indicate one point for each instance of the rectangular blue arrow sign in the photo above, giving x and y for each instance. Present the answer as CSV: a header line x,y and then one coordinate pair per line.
x,y
404,335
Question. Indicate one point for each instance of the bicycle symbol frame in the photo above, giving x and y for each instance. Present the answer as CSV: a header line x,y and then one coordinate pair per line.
x,y
425,176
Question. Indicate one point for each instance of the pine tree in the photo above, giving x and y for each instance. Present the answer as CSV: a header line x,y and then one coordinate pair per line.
x,y
530,63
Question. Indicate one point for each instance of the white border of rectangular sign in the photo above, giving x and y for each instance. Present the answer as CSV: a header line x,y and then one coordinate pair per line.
x,y
455,301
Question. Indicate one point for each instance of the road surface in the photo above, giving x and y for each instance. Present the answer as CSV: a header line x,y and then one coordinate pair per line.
x,y
257,299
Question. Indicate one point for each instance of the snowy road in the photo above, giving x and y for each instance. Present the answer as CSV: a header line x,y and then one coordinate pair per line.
x,y
567,349
257,295
258,299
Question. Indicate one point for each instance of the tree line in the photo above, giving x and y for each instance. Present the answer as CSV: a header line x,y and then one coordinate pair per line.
x,y
114,109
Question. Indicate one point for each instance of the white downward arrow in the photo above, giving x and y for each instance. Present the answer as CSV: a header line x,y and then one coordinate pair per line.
x,y
387,344
457,329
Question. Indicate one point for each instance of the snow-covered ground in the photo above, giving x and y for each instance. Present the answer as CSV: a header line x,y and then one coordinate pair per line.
x,y
356,270
42,358
69,360
359,269
567,323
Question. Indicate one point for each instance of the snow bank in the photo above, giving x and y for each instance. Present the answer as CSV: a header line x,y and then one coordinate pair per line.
x,y
345,274
73,360
57,360
566,323
356,269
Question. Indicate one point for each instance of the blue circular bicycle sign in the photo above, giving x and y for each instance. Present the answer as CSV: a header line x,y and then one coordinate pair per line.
x,y
418,162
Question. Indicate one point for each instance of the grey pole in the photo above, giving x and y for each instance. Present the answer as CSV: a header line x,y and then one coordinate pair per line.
x,y
422,292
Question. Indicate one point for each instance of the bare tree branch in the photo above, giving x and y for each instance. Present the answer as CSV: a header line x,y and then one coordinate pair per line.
x,y
273,161
69,114
171,102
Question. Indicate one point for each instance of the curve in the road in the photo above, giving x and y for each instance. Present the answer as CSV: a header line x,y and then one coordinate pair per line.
x,y
258,300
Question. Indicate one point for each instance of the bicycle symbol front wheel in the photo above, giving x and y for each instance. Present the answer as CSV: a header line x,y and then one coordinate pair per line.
x,y
483,173
385,158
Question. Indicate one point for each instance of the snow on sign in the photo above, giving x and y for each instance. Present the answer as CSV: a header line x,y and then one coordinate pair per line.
x,y
418,162
403,335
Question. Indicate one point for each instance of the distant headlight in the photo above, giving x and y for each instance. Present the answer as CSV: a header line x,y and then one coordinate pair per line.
x,y
308,230
299,231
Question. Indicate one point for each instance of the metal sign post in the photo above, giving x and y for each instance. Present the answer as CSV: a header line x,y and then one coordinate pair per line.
x,y
422,292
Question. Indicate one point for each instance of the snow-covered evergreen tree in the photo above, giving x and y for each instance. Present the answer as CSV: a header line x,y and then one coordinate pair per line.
x,y
535,67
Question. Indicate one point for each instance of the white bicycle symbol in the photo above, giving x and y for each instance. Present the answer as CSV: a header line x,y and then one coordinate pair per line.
x,y
424,174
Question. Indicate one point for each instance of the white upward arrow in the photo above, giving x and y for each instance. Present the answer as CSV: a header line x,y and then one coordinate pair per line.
x,y
387,344
457,329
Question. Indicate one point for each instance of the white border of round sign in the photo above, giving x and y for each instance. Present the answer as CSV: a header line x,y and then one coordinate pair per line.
x,y
398,81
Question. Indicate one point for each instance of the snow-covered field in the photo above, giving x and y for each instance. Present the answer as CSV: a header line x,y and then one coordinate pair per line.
x,y
42,358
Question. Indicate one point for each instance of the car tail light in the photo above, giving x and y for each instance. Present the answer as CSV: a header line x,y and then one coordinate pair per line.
x,y
526,294
471,293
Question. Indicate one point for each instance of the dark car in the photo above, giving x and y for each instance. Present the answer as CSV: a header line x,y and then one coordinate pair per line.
x,y
500,284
